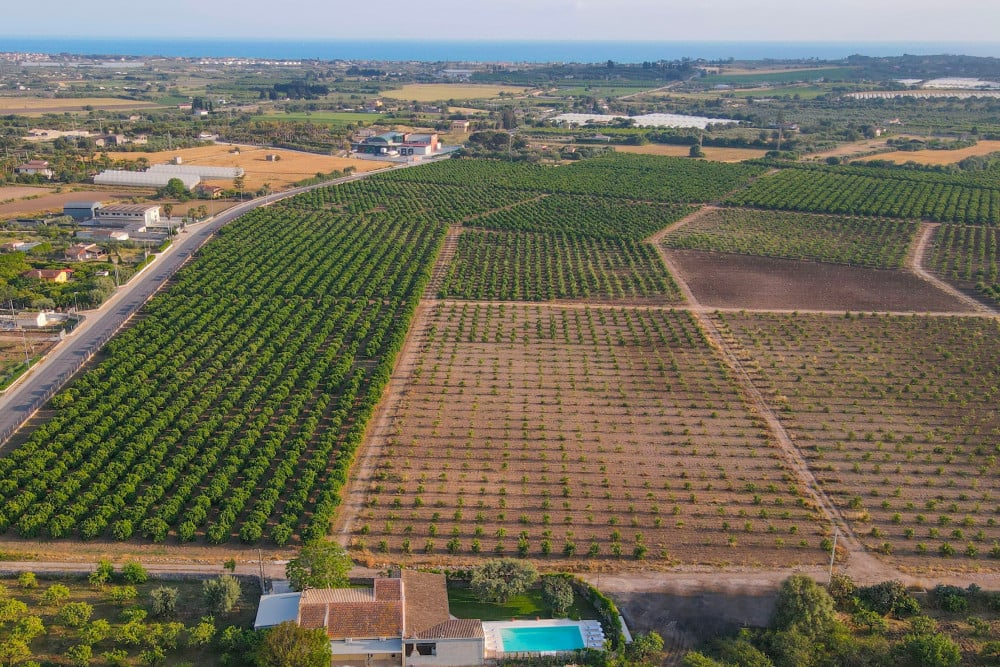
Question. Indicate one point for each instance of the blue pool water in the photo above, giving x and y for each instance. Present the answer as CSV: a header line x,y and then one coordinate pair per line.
x,y
544,638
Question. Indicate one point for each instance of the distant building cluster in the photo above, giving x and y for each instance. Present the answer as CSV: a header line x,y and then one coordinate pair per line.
x,y
392,144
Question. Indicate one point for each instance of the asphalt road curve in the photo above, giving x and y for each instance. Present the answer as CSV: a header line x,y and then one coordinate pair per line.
x,y
23,399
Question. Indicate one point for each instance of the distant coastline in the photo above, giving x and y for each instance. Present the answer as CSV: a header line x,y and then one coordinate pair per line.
x,y
483,51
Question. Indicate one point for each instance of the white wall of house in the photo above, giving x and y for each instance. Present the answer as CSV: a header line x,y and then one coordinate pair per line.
x,y
448,653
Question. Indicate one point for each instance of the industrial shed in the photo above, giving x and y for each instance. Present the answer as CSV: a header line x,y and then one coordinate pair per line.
x,y
81,210
144,179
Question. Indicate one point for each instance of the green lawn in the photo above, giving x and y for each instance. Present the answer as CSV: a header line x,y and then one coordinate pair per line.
x,y
527,606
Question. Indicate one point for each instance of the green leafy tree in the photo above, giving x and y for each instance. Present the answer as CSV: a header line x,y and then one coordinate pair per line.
x,y
804,603
134,573
14,651
697,659
55,594
557,593
320,564
79,655
174,188
203,633
163,601
11,609
288,645
102,575
501,579
74,614
221,594
930,650
645,649
27,580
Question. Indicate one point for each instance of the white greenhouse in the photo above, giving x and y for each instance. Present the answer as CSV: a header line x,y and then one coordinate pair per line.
x,y
147,179
205,172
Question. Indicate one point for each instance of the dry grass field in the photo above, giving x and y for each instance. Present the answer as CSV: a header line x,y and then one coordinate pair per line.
x,y
433,92
711,153
897,419
587,434
983,147
36,106
292,167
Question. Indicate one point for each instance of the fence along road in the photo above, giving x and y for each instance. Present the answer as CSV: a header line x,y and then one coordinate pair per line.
x,y
31,392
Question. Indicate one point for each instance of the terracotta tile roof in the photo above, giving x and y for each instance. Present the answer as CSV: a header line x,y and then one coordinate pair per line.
x,y
456,628
321,595
360,620
388,589
419,598
426,599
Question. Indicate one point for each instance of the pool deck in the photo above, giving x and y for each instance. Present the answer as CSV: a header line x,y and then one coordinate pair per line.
x,y
590,631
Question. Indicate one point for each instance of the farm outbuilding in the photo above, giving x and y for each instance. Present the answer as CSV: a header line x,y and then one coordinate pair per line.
x,y
143,179
124,215
81,210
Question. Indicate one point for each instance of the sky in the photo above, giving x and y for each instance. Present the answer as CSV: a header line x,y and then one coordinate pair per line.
x,y
954,21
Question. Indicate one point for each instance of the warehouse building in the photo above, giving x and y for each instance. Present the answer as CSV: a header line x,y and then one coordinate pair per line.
x,y
135,216
81,210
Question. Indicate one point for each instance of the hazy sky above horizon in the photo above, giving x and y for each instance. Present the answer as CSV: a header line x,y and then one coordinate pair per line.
x,y
687,20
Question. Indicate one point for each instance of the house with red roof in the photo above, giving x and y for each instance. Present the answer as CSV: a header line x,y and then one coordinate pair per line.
x,y
397,622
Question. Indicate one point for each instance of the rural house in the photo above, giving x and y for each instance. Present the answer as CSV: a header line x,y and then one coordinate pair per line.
x,y
82,252
32,167
49,275
399,621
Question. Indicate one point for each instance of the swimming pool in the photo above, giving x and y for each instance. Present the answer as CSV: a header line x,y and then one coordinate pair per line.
x,y
541,639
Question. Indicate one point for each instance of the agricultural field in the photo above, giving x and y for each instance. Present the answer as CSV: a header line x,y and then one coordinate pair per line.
x,y
69,621
896,417
232,408
856,241
332,118
724,280
915,196
982,147
439,92
536,266
36,106
745,77
44,201
596,217
564,247
712,153
576,434
645,178
967,256
293,166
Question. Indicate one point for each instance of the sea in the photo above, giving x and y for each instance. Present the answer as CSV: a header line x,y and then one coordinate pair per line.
x,y
483,50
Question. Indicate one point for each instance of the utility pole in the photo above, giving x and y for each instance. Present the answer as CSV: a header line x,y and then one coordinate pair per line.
x,y
833,551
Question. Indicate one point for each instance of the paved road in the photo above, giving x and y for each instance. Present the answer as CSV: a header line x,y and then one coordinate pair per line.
x,y
23,399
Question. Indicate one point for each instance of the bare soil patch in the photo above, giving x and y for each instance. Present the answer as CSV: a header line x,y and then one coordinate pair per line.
x,y
712,153
740,281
